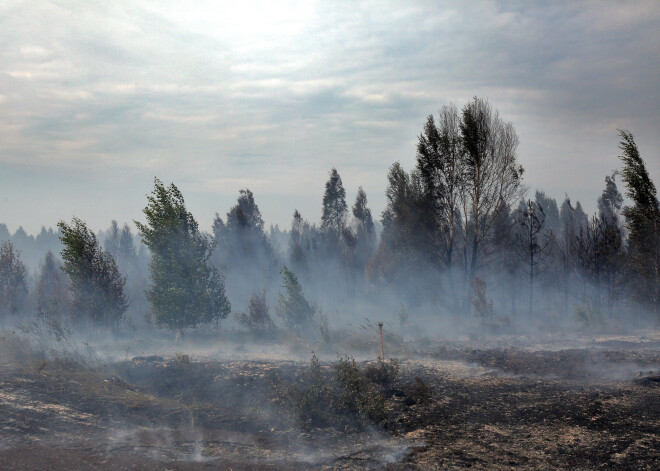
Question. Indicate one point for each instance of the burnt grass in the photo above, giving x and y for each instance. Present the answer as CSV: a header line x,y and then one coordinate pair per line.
x,y
451,406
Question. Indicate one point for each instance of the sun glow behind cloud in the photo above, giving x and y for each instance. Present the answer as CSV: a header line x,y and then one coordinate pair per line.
x,y
214,95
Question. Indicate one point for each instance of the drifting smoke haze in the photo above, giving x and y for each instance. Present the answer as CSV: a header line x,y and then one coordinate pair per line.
x,y
305,235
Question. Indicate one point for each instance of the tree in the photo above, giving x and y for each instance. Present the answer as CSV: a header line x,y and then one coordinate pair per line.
x,y
96,286
550,210
440,164
532,243
643,224
334,213
185,290
610,241
502,250
126,250
13,279
365,233
243,237
294,309
483,307
402,242
610,201
243,249
257,317
111,242
570,223
52,299
492,176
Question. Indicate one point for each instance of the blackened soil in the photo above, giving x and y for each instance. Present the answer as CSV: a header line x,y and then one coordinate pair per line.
x,y
452,408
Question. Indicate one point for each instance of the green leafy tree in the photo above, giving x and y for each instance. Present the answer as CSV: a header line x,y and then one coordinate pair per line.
x,y
13,279
185,290
294,309
643,224
257,318
96,286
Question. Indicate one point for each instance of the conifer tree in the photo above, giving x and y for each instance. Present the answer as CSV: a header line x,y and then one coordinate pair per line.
x,y
185,290
365,234
643,224
335,212
294,309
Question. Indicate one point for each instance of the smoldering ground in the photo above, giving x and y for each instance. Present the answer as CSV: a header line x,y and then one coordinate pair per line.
x,y
212,402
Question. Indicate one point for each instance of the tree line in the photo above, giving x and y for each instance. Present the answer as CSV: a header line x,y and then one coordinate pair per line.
x,y
459,233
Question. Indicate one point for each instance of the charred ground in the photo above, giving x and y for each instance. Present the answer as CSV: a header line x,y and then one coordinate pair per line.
x,y
452,405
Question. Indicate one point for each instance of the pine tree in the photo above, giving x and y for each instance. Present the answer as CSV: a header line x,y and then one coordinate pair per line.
x,y
185,290
533,244
302,244
243,234
335,212
294,309
643,224
365,234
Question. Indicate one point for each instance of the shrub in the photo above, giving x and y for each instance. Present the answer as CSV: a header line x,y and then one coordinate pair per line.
x,y
346,397
587,316
483,307
383,373
257,317
418,392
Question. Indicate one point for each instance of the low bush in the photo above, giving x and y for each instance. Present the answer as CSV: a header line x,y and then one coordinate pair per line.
x,y
344,395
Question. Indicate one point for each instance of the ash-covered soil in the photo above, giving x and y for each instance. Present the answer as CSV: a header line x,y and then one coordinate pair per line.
x,y
454,405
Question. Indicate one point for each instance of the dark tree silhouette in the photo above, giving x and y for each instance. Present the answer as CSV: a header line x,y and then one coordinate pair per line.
x,y
96,286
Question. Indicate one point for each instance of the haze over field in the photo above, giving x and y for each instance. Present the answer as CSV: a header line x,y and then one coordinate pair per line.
x,y
329,235
96,98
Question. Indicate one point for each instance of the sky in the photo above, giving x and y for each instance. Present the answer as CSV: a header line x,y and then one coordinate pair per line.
x,y
97,98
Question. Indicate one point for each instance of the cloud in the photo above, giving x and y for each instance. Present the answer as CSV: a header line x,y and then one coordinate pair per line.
x,y
272,94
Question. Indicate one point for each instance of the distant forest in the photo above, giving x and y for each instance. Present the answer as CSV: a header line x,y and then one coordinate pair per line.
x,y
460,237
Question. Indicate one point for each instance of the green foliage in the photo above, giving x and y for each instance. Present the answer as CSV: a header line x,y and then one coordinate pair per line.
x,y
357,394
418,392
182,360
13,279
294,309
335,210
643,224
96,286
185,290
345,396
257,318
383,373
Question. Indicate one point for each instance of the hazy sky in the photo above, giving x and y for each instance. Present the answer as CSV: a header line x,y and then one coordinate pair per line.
x,y
98,97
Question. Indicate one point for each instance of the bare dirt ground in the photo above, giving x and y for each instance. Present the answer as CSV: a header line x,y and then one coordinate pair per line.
x,y
509,404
